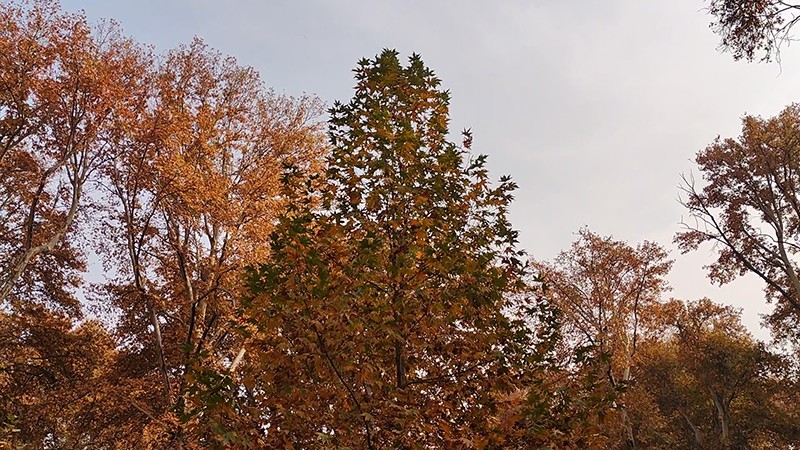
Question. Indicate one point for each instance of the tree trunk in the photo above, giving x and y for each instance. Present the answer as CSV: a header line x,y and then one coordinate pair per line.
x,y
698,435
630,440
723,414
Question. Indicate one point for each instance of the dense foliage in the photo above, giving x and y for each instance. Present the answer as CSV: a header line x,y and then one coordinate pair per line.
x,y
268,286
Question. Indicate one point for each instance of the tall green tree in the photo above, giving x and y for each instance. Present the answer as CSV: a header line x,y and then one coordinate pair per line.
x,y
386,316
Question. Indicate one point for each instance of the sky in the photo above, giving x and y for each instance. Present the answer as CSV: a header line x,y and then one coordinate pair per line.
x,y
594,108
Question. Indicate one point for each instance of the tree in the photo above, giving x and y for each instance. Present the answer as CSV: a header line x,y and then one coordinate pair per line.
x,y
51,379
714,385
65,92
168,167
384,317
749,209
753,29
606,290
193,193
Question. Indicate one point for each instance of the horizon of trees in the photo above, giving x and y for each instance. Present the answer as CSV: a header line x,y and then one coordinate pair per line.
x,y
273,280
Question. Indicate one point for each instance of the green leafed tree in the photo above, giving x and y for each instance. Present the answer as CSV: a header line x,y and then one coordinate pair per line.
x,y
389,313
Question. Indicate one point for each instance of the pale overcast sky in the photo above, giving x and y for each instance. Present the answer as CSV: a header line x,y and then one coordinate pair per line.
x,y
594,107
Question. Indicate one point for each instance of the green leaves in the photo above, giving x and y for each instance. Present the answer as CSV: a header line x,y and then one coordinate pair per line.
x,y
383,306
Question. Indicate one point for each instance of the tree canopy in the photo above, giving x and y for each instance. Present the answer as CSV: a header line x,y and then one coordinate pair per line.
x,y
748,208
279,277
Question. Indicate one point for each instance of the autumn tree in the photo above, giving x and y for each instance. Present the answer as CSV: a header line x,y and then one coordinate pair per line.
x,y
715,386
192,196
566,399
66,89
754,29
65,92
748,208
606,290
51,380
384,317
168,167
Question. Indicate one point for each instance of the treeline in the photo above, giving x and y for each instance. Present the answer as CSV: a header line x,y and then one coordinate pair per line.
x,y
273,280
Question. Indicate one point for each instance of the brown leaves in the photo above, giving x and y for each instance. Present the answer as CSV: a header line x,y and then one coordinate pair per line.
x,y
753,29
50,374
749,207
382,312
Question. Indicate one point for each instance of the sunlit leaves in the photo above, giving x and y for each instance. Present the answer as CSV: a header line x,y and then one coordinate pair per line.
x,y
168,167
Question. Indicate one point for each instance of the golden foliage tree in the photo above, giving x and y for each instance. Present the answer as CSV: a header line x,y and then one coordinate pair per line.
x,y
66,91
715,386
168,167
65,96
194,196
749,209
606,291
